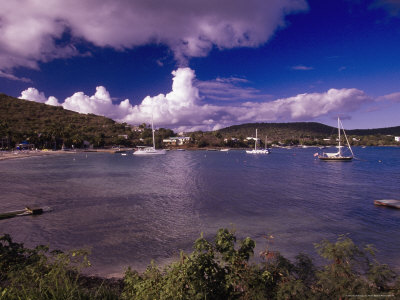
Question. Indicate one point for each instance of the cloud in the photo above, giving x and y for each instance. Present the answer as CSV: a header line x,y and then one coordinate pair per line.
x,y
33,94
394,97
229,89
180,106
302,68
304,107
100,104
391,6
13,77
184,109
38,31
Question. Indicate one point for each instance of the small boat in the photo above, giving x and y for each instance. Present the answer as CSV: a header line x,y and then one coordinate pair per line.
x,y
389,203
266,145
257,151
337,156
143,150
224,150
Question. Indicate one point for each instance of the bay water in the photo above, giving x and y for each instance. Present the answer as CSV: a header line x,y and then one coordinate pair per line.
x,y
129,210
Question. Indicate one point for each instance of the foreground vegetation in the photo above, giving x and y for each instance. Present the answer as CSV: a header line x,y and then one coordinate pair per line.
x,y
217,269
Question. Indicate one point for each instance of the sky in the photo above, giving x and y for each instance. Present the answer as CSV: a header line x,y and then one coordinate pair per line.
x,y
207,64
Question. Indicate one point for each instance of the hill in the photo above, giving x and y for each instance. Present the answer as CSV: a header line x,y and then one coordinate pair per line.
x,y
310,133
280,131
47,126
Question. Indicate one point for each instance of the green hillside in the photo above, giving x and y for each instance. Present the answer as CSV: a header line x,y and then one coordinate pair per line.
x,y
378,131
279,131
48,126
309,133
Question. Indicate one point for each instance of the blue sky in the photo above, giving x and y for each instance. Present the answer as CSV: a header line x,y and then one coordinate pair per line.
x,y
207,64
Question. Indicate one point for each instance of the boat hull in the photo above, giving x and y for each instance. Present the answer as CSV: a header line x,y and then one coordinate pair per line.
x,y
389,203
257,151
342,158
150,152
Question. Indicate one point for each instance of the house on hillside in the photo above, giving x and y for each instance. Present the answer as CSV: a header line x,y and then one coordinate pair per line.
x,y
136,129
232,139
397,138
179,140
249,138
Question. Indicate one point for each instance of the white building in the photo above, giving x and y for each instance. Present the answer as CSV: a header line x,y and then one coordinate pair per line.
x,y
232,139
179,140
249,138
397,138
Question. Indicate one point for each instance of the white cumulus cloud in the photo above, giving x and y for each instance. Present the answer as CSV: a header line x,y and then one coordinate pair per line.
x,y
33,94
29,29
99,104
184,109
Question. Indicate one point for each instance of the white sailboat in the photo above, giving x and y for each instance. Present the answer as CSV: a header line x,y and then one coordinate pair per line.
x,y
144,150
338,156
266,145
257,151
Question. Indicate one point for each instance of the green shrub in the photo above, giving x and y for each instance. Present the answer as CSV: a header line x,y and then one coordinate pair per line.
x,y
217,269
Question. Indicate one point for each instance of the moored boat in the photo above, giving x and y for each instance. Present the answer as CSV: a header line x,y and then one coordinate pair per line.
x,y
338,156
257,151
389,203
145,150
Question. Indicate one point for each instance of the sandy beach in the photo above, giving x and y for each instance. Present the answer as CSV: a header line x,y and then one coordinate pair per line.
x,y
4,155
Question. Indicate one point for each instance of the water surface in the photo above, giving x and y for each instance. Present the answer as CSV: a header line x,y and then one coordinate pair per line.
x,y
129,210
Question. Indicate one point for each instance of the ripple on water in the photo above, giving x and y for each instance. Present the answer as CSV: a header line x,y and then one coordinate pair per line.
x,y
129,210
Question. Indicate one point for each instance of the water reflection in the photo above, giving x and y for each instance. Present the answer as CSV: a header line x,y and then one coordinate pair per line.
x,y
130,209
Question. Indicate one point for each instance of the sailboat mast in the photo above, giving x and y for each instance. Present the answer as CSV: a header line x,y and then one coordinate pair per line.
x,y
152,125
255,144
338,127
347,140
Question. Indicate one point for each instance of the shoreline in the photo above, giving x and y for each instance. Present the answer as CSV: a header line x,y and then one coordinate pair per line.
x,y
6,155
14,154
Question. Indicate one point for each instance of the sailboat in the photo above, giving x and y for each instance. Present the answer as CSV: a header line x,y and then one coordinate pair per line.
x,y
338,156
266,145
257,151
144,150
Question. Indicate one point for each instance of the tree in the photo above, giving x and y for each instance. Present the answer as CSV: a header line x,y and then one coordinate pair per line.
x,y
213,271
351,270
